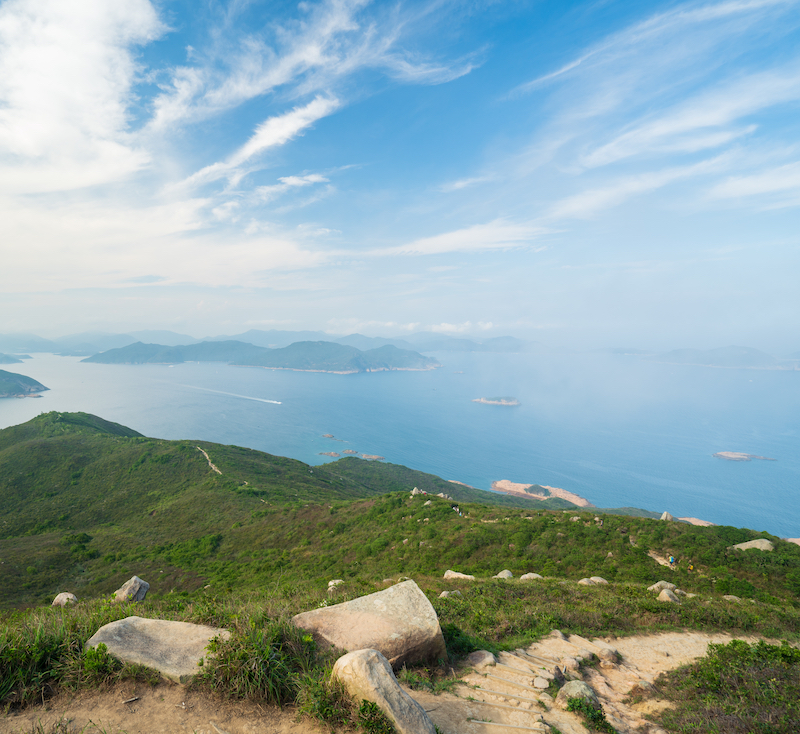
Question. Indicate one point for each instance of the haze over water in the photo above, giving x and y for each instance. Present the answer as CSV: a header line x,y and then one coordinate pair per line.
x,y
617,430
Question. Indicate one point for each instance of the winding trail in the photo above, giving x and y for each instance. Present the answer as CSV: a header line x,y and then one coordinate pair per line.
x,y
208,460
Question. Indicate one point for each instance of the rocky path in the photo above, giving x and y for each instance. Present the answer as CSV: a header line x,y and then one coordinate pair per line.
x,y
509,696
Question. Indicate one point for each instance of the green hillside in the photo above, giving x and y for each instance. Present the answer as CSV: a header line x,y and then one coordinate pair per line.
x,y
88,503
14,385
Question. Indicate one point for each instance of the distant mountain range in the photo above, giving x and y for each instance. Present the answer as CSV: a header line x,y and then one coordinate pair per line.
x,y
89,343
311,356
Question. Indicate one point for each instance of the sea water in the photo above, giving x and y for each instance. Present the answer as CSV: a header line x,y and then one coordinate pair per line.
x,y
620,431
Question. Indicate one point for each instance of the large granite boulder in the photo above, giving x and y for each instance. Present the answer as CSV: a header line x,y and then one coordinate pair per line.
x,y
761,544
506,574
399,622
367,676
174,649
668,596
63,599
135,589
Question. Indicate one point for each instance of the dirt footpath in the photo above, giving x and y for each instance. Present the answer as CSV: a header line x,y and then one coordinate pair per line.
x,y
164,709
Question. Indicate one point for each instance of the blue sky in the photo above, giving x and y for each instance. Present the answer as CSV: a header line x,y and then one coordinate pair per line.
x,y
584,173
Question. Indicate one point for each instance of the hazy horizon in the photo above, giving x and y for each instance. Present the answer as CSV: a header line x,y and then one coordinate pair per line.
x,y
594,174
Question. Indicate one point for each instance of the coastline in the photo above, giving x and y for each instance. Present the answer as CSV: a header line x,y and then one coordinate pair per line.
x,y
520,490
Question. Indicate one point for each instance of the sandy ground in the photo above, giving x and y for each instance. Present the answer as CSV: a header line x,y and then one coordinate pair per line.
x,y
164,709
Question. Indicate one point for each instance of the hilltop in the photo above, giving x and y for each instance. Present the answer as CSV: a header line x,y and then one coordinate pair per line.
x,y
309,356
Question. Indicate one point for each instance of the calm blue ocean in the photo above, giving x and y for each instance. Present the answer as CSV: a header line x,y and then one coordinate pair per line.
x,y
619,431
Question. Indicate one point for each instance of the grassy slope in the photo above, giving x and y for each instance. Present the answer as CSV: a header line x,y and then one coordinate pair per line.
x,y
88,503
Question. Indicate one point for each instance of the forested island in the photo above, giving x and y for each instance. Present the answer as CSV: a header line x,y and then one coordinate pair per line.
x,y
13,385
307,356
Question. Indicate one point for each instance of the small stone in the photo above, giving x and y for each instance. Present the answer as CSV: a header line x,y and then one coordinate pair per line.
x,y
586,582
641,688
333,583
135,589
444,595
530,577
481,659
506,574
541,683
731,597
429,502
680,592
456,575
576,689
599,580
574,519
558,635
669,596
64,599
571,663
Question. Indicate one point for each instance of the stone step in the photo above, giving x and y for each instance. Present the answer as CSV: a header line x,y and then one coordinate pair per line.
x,y
539,727
509,695
505,705
518,671
537,658
511,682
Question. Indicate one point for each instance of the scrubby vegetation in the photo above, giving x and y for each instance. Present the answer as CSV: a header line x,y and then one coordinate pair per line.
x,y
88,503
736,689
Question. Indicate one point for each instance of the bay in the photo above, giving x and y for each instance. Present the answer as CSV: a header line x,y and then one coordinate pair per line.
x,y
620,431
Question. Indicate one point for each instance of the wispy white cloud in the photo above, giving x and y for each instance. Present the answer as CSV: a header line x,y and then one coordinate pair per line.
x,y
273,132
496,235
774,180
465,327
463,183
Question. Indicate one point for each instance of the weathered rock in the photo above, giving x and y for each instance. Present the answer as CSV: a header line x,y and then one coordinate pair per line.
x,y
558,635
530,577
641,688
574,519
541,683
456,575
445,594
399,622
668,595
598,580
333,583
175,649
135,589
761,544
367,675
731,597
571,663
415,492
63,599
679,592
428,502
666,516
481,658
506,574
576,689
586,582
660,585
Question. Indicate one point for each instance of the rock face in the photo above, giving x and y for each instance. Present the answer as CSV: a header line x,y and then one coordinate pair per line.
x,y
530,577
367,675
399,622
133,590
506,574
576,689
63,599
761,544
666,516
456,575
174,649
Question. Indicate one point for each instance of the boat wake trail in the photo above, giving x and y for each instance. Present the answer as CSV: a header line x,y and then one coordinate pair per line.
x,y
234,395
